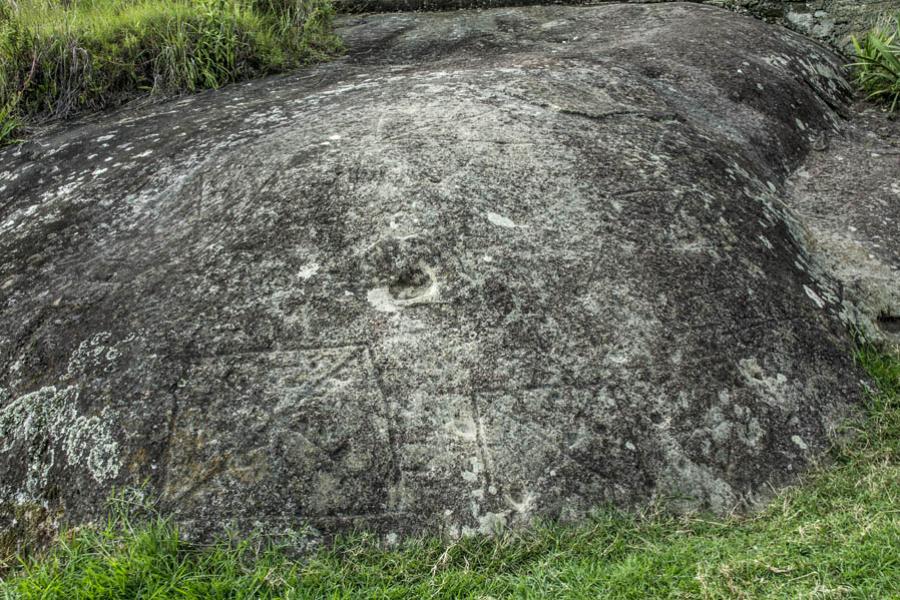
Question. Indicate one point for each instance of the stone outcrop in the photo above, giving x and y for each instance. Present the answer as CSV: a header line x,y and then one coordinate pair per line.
x,y
847,194
492,265
830,21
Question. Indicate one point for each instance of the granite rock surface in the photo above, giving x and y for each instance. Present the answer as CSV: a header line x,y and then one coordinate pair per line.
x,y
833,22
492,265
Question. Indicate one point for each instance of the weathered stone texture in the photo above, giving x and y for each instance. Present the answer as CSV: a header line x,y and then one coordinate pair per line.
x,y
847,194
491,265
830,21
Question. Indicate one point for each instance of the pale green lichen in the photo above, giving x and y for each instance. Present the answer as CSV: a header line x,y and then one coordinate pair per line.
x,y
95,353
45,422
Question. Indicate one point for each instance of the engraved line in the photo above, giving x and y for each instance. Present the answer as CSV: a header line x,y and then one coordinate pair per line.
x,y
482,443
389,416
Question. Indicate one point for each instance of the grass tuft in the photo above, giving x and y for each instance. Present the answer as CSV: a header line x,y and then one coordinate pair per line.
x,y
59,58
10,124
878,62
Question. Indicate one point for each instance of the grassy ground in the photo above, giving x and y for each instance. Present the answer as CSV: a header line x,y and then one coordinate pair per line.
x,y
62,57
837,535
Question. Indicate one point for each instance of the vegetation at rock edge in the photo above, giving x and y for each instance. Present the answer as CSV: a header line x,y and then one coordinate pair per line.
x,y
878,62
59,58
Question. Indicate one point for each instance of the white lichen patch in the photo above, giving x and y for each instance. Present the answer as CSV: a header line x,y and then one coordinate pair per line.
x,y
380,299
46,423
500,220
492,522
308,271
772,389
95,353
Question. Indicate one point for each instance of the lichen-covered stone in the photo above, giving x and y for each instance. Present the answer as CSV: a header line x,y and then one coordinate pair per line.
x,y
492,265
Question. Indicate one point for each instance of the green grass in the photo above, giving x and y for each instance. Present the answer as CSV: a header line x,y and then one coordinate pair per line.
x,y
836,535
59,58
878,62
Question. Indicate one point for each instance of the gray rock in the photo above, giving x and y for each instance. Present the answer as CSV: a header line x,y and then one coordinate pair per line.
x,y
833,22
490,266
847,195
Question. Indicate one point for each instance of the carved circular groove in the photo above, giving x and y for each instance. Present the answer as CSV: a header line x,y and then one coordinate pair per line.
x,y
412,283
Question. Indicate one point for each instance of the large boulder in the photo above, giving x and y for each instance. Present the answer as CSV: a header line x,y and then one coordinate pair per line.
x,y
490,266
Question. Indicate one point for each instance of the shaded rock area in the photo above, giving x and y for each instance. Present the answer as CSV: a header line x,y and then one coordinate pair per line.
x,y
830,21
847,194
492,265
